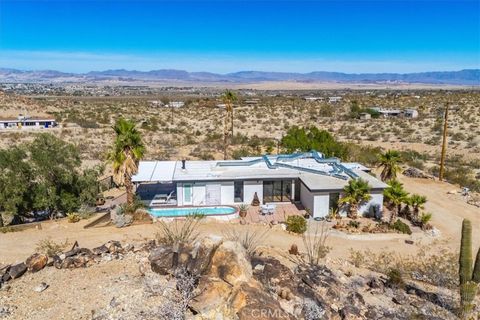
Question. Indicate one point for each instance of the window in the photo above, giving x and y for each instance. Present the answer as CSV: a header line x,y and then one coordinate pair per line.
x,y
187,193
238,191
277,191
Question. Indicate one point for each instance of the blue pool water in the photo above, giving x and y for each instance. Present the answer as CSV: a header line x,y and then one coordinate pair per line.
x,y
181,212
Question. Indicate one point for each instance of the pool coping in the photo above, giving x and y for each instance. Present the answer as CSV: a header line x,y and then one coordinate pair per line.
x,y
206,216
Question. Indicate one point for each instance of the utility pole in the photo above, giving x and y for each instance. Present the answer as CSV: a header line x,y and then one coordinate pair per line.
x,y
444,144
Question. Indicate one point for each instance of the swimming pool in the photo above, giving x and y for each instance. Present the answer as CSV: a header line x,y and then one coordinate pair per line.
x,y
182,212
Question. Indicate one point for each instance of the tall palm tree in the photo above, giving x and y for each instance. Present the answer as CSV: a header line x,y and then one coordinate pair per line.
x,y
228,97
395,194
126,152
417,201
355,192
389,161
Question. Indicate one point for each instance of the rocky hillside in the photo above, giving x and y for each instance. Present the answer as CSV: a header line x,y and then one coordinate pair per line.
x,y
209,279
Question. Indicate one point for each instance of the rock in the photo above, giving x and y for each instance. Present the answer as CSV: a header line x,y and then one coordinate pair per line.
x,y
416,173
250,302
129,247
375,283
36,262
196,259
100,250
122,220
213,295
41,287
270,271
114,303
409,241
230,263
16,271
114,246
293,249
399,298
350,312
161,260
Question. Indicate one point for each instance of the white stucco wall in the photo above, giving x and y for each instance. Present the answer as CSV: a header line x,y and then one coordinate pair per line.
x,y
249,189
227,192
377,199
306,197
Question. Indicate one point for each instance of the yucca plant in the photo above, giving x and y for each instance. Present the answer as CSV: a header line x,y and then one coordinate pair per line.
x,y
469,274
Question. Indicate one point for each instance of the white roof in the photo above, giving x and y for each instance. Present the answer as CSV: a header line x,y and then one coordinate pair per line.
x,y
151,171
315,171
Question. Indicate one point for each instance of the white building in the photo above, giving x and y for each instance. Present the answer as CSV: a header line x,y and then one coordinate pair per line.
x,y
313,98
307,178
176,104
26,122
410,113
334,99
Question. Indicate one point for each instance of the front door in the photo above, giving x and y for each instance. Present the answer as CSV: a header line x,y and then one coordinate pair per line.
x,y
187,194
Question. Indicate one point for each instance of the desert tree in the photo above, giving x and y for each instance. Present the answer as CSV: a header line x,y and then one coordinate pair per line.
x,y
356,192
126,152
396,195
389,162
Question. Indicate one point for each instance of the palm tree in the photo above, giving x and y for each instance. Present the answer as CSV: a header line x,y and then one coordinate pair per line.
x,y
389,161
355,192
228,97
126,152
417,201
395,194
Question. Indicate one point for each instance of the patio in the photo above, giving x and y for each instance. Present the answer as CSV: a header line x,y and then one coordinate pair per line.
x,y
282,211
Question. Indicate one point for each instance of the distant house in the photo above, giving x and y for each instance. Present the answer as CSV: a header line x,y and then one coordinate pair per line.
x,y
334,99
313,98
365,116
156,103
396,113
410,113
252,102
176,104
27,122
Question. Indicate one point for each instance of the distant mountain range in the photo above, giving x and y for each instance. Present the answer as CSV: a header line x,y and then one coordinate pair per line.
x,y
462,77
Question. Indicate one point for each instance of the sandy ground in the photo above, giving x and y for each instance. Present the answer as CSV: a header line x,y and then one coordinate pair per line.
x,y
448,212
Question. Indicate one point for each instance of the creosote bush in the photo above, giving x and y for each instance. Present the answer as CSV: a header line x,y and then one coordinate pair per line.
x,y
296,224
50,247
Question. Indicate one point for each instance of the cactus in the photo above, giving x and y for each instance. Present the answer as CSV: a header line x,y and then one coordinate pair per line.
x,y
476,270
469,278
465,260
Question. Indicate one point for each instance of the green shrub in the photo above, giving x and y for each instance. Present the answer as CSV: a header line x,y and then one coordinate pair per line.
x,y
395,278
401,227
296,224
354,224
73,217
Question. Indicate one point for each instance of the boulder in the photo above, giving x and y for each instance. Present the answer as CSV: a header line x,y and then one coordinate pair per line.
x,y
250,302
114,246
16,271
122,220
100,250
213,295
200,255
161,260
36,262
230,263
270,271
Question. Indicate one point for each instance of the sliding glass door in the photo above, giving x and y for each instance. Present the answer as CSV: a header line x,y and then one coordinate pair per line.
x,y
277,191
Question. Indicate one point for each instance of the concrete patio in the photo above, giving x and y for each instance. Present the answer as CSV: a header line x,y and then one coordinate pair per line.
x,y
282,211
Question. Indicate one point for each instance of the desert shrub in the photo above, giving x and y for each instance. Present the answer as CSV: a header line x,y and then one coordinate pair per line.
x,y
179,231
439,268
248,238
395,278
425,218
402,227
296,224
315,245
73,217
354,224
50,247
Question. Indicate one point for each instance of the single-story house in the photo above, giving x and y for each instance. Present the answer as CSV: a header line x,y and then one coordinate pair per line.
x,y
26,122
365,116
307,178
